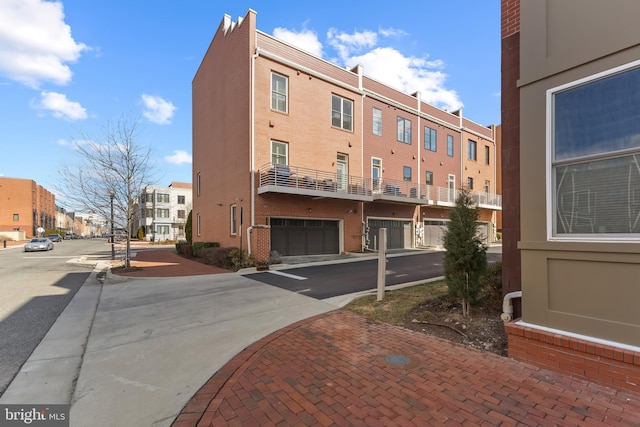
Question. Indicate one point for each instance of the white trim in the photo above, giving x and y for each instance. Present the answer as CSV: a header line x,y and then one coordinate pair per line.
x,y
549,184
578,336
286,94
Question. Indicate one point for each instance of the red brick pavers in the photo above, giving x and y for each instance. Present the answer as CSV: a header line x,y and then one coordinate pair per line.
x,y
166,263
332,370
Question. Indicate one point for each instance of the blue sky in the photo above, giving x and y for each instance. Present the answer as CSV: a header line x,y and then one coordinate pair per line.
x,y
69,68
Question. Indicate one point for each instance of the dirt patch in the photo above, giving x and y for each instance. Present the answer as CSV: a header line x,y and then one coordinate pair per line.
x,y
119,270
442,317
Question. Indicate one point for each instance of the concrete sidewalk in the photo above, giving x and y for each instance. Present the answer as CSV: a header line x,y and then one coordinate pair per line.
x,y
135,350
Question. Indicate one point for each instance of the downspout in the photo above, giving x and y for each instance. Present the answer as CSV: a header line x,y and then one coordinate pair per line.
x,y
418,158
252,142
363,242
507,306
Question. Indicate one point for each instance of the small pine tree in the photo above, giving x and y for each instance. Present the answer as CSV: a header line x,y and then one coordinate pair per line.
x,y
188,228
140,233
465,260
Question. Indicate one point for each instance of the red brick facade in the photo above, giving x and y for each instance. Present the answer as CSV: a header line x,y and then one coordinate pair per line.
x,y
605,364
25,205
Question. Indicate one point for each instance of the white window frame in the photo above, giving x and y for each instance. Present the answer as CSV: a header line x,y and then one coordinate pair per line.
x,y
550,167
344,124
275,94
286,152
199,224
376,120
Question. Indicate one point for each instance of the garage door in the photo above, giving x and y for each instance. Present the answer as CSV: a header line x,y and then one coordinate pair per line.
x,y
304,236
433,232
398,233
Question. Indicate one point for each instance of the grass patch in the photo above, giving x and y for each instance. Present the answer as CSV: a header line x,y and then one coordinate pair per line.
x,y
396,304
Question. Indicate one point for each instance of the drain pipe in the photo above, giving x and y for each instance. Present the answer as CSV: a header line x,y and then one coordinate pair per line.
x,y
249,239
507,306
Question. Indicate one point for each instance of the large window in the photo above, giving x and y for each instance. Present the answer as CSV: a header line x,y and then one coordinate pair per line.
x,y
162,213
450,145
594,146
487,153
404,130
430,137
162,198
181,200
162,229
377,121
279,153
341,112
473,155
279,92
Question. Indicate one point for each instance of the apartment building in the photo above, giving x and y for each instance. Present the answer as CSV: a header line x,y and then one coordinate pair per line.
x,y
25,206
163,211
297,155
571,103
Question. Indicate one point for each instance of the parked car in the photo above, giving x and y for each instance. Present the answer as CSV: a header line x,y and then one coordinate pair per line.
x,y
38,244
54,237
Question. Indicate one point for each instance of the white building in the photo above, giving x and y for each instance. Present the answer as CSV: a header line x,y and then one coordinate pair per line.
x,y
163,211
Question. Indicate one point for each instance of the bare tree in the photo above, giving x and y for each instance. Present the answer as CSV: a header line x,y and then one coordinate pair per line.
x,y
115,165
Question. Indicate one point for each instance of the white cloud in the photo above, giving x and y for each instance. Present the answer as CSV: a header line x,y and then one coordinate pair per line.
x,y
386,64
305,39
60,106
35,43
157,110
179,157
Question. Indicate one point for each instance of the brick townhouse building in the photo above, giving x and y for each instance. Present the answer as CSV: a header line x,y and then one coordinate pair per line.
x,y
571,181
25,206
294,154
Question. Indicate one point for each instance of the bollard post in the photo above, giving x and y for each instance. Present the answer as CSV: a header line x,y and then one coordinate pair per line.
x,y
5,244
382,263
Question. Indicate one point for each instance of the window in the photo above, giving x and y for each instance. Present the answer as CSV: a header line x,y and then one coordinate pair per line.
x,y
429,177
279,153
404,130
198,184
486,154
406,173
182,214
450,145
181,200
16,217
377,121
162,213
341,112
199,224
594,171
470,183
162,198
279,89
430,137
162,229
376,173
487,187
472,150
234,229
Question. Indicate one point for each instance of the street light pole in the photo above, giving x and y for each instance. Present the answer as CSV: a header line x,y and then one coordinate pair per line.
x,y
112,194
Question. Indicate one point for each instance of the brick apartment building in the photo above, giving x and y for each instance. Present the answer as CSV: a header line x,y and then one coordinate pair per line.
x,y
571,183
295,154
25,206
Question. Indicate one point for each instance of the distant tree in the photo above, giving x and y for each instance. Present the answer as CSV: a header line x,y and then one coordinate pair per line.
x,y
465,260
188,228
113,165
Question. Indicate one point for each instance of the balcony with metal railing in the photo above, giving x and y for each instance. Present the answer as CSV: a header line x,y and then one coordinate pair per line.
x,y
288,179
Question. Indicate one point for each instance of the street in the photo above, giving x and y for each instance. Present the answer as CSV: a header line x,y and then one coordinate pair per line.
x,y
326,281
36,287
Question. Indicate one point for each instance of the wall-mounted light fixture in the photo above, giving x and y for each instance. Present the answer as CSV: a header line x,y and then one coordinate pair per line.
x,y
309,210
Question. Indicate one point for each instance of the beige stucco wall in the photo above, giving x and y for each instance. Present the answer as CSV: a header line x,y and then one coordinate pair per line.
x,y
589,288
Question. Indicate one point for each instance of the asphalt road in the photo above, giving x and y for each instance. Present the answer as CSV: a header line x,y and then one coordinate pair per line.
x,y
35,287
331,280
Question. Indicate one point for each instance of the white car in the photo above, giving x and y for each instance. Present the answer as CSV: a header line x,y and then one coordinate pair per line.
x,y
38,244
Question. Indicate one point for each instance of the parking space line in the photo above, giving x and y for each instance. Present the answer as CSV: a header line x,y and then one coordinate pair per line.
x,y
290,276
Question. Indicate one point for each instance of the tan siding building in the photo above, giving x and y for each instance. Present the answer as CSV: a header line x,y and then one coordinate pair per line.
x,y
577,111
297,155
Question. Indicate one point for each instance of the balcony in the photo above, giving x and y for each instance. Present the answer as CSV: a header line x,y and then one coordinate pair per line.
x,y
287,179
